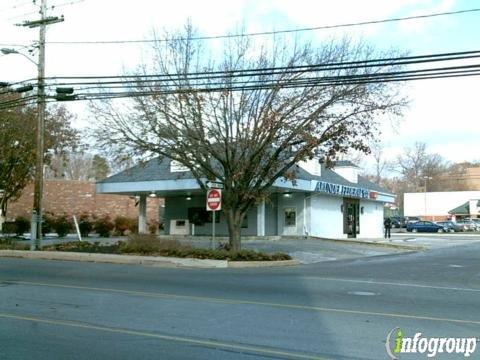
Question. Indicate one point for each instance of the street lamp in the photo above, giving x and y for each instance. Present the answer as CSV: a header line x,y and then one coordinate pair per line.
x,y
425,178
8,51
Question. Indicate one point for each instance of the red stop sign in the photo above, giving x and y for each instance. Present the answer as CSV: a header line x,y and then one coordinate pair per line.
x,y
214,199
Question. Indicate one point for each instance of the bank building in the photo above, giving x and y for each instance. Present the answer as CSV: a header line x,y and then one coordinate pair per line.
x,y
322,202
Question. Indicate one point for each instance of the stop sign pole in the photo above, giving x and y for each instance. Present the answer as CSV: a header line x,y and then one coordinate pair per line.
x,y
214,203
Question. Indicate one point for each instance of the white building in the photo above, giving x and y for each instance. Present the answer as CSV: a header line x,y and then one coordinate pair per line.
x,y
439,205
329,203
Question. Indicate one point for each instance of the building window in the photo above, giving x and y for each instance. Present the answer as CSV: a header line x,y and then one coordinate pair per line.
x,y
199,216
290,216
245,222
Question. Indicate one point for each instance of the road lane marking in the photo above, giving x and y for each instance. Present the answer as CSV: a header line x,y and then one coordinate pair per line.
x,y
392,284
247,302
205,343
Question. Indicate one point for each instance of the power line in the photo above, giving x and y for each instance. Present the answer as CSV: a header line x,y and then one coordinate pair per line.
x,y
258,79
73,2
264,33
14,45
350,65
20,15
345,65
260,86
16,6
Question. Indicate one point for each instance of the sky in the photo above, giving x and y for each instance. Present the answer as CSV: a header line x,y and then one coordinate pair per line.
x,y
442,113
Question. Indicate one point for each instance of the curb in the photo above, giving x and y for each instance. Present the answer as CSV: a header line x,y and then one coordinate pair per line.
x,y
259,264
374,243
159,261
444,234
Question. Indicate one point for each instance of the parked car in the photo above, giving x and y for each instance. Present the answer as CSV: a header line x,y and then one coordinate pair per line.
x,y
398,222
475,222
411,219
451,226
426,226
469,225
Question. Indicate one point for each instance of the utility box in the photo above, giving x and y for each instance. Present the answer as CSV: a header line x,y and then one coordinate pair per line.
x,y
179,227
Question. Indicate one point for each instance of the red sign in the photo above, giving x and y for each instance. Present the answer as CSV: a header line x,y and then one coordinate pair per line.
x,y
373,195
214,199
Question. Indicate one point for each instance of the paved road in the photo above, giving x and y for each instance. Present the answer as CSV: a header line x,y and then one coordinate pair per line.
x,y
331,310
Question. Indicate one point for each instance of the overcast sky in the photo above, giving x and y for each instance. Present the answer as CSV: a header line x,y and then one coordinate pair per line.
x,y
443,113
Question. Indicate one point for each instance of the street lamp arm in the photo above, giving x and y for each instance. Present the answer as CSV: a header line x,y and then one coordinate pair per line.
x,y
7,51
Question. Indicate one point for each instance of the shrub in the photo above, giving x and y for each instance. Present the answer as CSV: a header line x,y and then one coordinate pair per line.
x,y
9,244
83,246
133,226
62,225
122,224
47,223
9,227
103,226
85,225
149,244
153,227
22,225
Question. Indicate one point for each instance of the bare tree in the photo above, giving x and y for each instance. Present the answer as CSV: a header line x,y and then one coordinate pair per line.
x,y
81,166
249,119
382,165
417,163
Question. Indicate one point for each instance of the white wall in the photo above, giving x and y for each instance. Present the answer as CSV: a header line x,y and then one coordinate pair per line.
x,y
371,221
312,166
326,219
438,203
349,173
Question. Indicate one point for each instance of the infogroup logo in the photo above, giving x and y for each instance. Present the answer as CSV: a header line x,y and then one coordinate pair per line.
x,y
397,343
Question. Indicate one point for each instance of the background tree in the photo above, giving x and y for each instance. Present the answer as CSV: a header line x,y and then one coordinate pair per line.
x,y
248,119
381,164
416,163
18,145
100,168
77,165
61,140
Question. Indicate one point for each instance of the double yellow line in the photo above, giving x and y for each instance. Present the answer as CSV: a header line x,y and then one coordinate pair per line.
x,y
248,302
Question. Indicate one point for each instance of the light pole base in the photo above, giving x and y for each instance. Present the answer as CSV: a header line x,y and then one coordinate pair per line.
x,y
33,232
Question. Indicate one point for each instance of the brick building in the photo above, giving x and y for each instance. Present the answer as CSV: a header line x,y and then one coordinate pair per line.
x,y
79,197
472,178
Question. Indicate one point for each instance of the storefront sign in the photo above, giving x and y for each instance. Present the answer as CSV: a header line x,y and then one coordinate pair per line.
x,y
342,190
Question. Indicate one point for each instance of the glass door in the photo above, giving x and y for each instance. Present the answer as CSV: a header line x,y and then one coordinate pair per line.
x,y
351,217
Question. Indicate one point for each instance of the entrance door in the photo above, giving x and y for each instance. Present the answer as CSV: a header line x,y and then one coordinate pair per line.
x,y
289,221
351,217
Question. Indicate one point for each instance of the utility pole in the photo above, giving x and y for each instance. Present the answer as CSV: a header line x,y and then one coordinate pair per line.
x,y
36,229
425,178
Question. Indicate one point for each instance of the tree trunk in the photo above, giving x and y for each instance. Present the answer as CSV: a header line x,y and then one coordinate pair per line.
x,y
3,206
3,212
234,221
